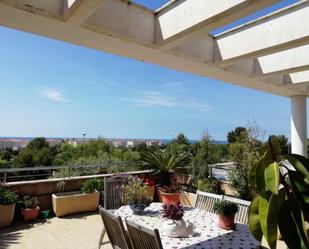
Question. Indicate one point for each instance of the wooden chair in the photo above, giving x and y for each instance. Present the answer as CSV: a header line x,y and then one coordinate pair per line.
x,y
142,237
205,201
115,230
113,192
113,196
243,209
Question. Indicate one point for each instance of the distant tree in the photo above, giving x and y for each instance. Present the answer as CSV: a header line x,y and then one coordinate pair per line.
x,y
181,139
282,140
37,153
206,153
237,135
244,151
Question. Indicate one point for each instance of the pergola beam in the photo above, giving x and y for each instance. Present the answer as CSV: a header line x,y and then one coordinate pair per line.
x,y
270,34
28,22
285,62
78,11
179,21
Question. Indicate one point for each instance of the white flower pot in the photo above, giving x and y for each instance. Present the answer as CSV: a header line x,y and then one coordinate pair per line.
x,y
177,228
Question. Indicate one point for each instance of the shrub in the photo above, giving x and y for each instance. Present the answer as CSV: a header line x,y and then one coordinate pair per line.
x,y
7,197
92,185
29,202
172,211
211,185
225,208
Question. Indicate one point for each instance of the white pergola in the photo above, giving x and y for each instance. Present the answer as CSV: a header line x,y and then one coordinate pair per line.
x,y
270,54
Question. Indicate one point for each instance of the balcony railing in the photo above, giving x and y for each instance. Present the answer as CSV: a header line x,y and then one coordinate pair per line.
x,y
44,172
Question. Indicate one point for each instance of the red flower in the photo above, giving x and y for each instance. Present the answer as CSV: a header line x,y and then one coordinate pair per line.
x,y
149,182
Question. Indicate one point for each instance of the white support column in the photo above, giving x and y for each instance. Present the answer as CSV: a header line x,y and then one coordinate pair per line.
x,y
299,125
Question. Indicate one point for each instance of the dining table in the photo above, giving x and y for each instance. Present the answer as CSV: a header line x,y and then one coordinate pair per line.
x,y
207,233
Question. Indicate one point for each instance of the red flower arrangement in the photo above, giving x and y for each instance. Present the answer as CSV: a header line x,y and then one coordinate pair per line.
x,y
149,182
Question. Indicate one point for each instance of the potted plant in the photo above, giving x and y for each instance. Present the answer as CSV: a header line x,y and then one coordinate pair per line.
x,y
8,200
169,195
135,194
282,201
165,163
226,211
86,200
30,209
174,225
150,187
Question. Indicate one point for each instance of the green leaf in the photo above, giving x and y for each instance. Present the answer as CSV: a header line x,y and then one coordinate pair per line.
x,y
260,172
292,226
300,188
254,219
272,177
268,213
301,164
252,175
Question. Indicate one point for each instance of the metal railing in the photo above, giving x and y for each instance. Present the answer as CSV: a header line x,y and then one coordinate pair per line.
x,y
221,170
44,172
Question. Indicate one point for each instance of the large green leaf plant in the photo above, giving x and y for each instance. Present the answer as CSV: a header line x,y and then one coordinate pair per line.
x,y
282,203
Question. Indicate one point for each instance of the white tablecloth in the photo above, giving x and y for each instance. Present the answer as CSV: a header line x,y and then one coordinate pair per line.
x,y
207,233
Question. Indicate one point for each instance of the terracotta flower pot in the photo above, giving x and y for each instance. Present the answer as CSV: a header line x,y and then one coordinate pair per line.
x,y
170,198
150,192
226,222
30,213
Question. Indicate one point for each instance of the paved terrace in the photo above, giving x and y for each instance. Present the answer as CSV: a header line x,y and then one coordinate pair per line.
x,y
79,231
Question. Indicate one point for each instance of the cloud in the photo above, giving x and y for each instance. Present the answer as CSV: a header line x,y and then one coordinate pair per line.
x,y
159,99
54,95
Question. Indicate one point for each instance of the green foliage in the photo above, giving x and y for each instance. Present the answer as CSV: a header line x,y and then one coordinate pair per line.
x,y
239,135
28,202
164,161
210,185
92,185
37,153
7,197
181,139
283,198
135,191
282,141
225,208
245,153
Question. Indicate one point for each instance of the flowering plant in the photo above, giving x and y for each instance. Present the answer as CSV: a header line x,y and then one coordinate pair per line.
x,y
135,191
172,211
149,182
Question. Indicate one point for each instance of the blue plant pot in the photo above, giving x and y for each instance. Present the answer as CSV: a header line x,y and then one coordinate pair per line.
x,y
138,208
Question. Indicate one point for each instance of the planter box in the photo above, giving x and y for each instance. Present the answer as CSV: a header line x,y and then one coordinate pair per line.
x,y
6,215
183,179
74,202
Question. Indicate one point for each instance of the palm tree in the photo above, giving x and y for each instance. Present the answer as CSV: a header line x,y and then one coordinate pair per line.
x,y
164,162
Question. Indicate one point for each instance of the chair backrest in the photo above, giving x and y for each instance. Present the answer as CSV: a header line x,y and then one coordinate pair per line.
x,y
243,209
113,192
142,237
205,201
115,230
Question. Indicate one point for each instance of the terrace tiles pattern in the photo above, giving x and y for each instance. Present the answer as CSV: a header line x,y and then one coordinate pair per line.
x,y
79,231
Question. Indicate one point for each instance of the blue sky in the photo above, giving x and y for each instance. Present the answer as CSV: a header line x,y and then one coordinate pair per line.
x,y
54,89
